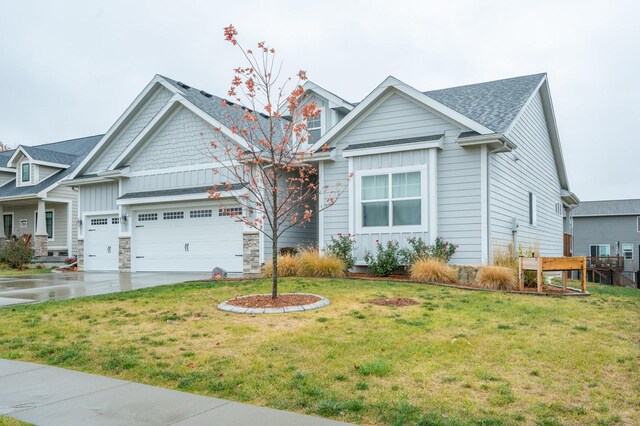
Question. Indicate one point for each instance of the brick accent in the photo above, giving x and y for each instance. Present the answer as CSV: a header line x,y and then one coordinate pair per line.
x,y
124,254
40,246
250,253
80,255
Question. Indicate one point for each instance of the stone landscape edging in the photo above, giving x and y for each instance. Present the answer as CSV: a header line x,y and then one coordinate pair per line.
x,y
227,307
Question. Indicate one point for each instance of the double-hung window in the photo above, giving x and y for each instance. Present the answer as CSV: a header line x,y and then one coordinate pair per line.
x,y
26,172
627,251
314,127
391,200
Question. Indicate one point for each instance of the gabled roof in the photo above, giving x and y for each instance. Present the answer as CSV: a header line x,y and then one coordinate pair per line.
x,y
494,104
73,149
608,208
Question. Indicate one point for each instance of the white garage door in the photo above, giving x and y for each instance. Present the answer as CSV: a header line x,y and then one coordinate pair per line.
x,y
101,243
187,239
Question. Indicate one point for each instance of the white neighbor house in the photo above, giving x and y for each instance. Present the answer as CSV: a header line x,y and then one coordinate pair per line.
x,y
480,165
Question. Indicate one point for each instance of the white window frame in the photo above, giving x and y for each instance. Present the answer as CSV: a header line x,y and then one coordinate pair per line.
x,y
638,224
600,245
320,127
623,250
53,223
533,209
424,200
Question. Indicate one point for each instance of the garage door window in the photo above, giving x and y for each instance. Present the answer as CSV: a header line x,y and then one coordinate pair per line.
x,y
194,214
172,215
232,211
115,220
145,217
96,222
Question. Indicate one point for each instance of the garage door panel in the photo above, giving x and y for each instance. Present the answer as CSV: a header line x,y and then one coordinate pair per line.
x,y
187,239
101,244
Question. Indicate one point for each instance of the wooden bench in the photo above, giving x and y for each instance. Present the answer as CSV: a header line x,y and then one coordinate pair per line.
x,y
543,264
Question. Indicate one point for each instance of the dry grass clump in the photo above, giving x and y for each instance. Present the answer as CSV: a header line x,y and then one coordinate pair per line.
x,y
496,278
307,263
314,264
288,266
433,271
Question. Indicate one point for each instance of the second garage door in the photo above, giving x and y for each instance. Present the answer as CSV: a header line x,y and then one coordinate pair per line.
x,y
187,239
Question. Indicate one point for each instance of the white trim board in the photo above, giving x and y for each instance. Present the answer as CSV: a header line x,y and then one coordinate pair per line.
x,y
414,146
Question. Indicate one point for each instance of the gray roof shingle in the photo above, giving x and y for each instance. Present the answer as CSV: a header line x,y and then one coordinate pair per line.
x,y
494,104
608,208
74,150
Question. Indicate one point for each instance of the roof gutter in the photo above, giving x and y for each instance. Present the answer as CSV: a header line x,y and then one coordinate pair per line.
x,y
497,142
569,199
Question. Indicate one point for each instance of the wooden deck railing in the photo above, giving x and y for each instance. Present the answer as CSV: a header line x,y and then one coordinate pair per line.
x,y
605,262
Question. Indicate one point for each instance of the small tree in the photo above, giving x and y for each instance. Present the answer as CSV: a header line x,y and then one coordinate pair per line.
x,y
267,149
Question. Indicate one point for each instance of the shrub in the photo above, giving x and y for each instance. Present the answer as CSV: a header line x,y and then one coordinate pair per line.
x,y
16,253
386,261
313,264
70,260
417,249
432,270
496,278
288,266
342,248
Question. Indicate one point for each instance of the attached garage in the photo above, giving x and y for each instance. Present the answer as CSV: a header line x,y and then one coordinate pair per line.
x,y
194,238
101,243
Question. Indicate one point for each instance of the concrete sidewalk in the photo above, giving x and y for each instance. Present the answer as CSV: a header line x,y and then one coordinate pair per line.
x,y
45,395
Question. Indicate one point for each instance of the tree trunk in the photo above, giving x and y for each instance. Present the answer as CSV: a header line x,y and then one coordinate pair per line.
x,y
274,271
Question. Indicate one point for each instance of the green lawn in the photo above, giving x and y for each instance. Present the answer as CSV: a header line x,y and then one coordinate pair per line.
x,y
458,357
6,421
10,272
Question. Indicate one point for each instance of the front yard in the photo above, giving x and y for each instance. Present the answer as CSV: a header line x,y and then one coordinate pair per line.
x,y
456,357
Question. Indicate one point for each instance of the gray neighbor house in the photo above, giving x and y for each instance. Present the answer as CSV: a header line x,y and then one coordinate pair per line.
x,y
480,165
608,232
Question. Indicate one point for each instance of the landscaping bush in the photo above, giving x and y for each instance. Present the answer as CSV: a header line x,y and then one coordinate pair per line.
x,y
343,248
432,271
496,278
307,263
288,266
16,254
313,264
386,260
418,249
70,260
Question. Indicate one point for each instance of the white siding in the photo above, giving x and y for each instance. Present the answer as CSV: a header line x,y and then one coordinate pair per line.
x,y
174,179
28,212
458,175
98,197
511,181
6,177
72,195
44,172
131,130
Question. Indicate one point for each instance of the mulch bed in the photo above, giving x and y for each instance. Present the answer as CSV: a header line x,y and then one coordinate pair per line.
x,y
283,300
362,275
394,301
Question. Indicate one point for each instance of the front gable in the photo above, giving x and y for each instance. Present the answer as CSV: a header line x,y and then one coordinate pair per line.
x,y
396,117
182,140
121,139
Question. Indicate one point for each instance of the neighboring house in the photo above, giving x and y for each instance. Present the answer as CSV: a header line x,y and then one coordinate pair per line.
x,y
608,228
32,199
480,165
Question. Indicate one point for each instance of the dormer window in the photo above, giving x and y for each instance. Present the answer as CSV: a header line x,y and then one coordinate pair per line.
x,y
26,172
314,127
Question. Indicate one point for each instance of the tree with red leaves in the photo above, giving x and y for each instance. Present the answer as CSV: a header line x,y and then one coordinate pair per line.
x,y
266,149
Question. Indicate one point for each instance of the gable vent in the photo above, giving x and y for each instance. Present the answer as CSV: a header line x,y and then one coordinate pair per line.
x,y
184,86
205,94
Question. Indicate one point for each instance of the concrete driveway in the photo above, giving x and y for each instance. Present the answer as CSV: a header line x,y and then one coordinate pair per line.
x,y
68,285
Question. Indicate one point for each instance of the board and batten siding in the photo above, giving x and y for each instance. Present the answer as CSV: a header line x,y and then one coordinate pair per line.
x,y
458,172
131,130
99,197
511,181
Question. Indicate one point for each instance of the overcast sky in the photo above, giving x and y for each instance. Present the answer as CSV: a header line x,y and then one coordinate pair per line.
x,y
70,68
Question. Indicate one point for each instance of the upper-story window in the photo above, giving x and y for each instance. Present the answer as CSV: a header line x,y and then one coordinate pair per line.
x,y
314,127
26,172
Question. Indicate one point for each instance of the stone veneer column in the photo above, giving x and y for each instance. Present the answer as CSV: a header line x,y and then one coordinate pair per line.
x,y
80,255
40,238
250,253
124,254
